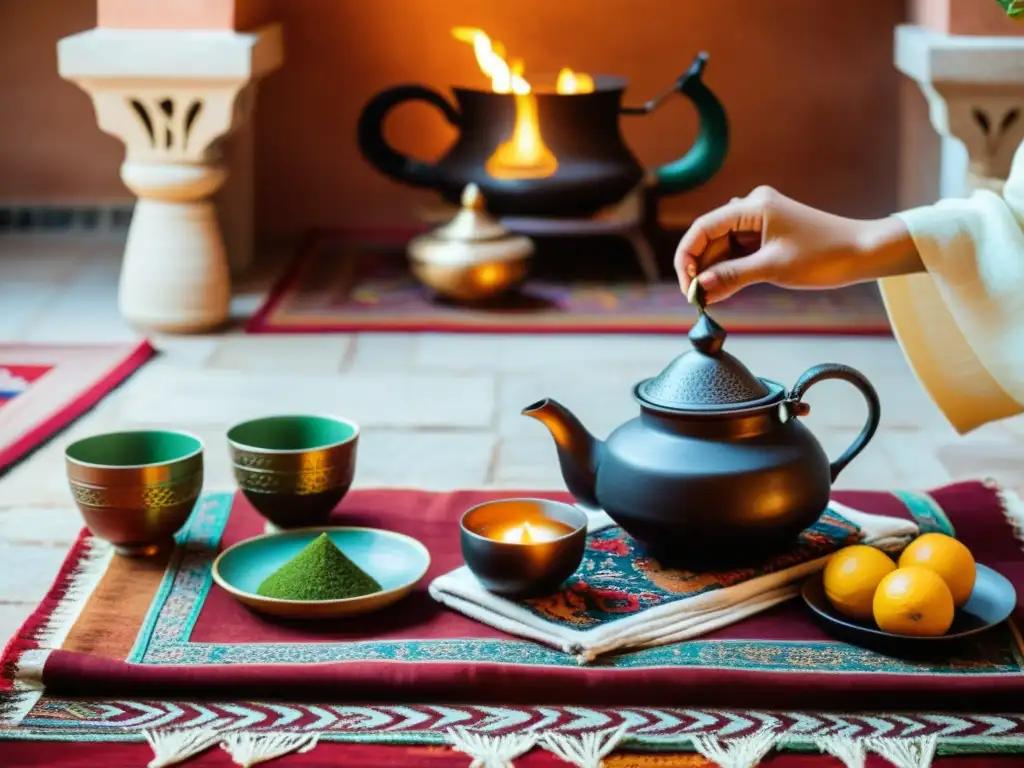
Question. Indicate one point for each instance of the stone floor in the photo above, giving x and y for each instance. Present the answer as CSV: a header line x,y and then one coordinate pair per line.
x,y
437,410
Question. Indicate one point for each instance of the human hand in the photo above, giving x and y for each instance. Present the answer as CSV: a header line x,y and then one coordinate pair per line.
x,y
767,237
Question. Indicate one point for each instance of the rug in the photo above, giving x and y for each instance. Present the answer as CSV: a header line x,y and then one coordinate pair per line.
x,y
43,388
121,648
338,286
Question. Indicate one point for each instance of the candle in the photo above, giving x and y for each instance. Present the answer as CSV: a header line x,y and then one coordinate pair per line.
x,y
527,532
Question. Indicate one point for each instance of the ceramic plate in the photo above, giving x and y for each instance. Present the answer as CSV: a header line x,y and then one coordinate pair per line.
x,y
397,562
991,603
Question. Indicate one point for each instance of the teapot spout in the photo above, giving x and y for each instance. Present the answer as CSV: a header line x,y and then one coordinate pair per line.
x,y
579,452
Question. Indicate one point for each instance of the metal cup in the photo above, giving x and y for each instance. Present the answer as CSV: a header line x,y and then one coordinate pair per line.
x,y
294,469
136,489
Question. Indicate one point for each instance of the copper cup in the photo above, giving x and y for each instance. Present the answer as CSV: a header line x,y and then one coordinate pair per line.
x,y
294,469
136,489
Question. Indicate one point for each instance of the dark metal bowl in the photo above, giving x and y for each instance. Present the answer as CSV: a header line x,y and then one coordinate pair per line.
x,y
522,570
990,604
294,469
136,489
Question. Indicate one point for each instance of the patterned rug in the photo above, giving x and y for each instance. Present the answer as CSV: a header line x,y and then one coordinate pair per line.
x,y
121,651
43,388
338,286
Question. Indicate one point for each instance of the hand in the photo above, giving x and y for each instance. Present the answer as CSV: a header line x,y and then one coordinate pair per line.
x,y
767,237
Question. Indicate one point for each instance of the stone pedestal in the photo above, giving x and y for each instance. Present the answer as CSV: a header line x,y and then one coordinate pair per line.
x,y
171,97
974,86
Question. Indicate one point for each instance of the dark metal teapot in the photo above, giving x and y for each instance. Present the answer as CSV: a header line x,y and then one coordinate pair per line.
x,y
717,465
595,167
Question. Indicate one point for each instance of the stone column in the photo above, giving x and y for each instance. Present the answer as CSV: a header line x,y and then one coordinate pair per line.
x,y
974,87
171,96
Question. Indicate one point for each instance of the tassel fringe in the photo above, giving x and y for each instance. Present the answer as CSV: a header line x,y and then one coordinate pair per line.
x,y
587,750
851,752
745,752
172,747
906,753
249,749
489,751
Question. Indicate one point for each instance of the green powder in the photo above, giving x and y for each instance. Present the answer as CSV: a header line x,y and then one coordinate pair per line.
x,y
319,572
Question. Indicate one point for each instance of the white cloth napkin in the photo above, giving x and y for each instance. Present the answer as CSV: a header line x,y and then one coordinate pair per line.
x,y
667,623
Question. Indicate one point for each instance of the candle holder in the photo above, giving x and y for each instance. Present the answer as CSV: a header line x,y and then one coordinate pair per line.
x,y
523,547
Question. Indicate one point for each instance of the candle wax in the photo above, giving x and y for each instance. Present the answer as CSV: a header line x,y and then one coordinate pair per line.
x,y
528,532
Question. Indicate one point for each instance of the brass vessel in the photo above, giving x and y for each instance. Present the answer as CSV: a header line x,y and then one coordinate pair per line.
x,y
472,258
136,489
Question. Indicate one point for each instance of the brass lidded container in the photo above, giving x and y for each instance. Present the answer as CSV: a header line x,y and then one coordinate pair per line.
x,y
472,258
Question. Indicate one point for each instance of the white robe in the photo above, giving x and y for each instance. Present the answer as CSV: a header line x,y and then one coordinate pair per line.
x,y
961,323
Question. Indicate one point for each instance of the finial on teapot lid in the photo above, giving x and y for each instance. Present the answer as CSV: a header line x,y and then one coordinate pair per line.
x,y
706,335
472,222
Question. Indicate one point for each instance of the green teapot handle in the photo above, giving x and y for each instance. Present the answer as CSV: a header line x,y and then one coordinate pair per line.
x,y
380,153
708,151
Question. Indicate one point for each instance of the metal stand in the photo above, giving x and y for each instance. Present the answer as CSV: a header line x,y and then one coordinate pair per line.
x,y
623,220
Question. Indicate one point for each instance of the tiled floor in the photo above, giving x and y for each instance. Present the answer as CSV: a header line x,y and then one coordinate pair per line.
x,y
437,411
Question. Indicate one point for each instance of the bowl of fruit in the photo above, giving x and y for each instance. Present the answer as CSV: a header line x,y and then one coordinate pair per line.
x,y
933,596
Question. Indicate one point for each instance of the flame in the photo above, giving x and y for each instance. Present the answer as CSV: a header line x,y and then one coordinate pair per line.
x,y
525,155
574,82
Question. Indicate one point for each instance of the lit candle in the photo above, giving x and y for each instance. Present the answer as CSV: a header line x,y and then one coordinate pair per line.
x,y
532,532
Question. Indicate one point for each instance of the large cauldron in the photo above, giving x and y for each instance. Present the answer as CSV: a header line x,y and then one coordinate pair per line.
x,y
595,167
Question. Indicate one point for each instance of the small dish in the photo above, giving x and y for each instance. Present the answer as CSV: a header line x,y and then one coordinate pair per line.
x,y
990,604
396,561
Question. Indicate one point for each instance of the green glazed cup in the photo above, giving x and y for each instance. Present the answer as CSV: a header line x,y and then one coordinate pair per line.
x,y
136,489
294,469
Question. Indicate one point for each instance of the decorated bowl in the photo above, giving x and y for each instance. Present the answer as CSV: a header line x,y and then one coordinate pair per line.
x,y
136,489
294,469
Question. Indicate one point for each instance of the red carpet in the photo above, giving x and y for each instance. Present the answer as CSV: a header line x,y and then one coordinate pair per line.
x,y
338,286
43,388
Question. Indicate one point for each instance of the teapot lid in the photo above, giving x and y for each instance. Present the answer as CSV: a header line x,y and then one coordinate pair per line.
x,y
706,377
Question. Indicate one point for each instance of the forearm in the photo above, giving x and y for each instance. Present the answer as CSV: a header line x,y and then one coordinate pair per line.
x,y
885,248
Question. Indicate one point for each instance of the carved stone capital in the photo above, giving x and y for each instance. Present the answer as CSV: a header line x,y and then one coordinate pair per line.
x,y
171,96
975,91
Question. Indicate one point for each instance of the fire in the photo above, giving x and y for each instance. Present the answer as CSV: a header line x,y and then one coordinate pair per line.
x,y
574,82
525,155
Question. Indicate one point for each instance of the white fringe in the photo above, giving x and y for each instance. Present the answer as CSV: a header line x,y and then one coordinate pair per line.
x,y
906,753
27,674
15,707
81,583
852,752
1013,508
587,750
171,747
745,752
249,749
491,751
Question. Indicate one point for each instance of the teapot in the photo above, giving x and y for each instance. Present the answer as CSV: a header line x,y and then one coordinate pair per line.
x,y
718,465
595,168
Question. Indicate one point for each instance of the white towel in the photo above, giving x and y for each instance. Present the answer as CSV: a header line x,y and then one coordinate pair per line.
x,y
669,622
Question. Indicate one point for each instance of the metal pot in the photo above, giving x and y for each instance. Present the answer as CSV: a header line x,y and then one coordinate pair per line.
x,y
595,167
718,466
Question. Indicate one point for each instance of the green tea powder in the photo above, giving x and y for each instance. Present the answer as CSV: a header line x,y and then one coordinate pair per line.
x,y
321,571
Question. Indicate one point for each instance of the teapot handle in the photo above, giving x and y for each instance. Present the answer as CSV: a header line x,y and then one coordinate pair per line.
x,y
382,155
796,407
708,151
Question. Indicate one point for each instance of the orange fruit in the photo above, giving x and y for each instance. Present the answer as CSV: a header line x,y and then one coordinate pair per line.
x,y
947,557
913,601
851,577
